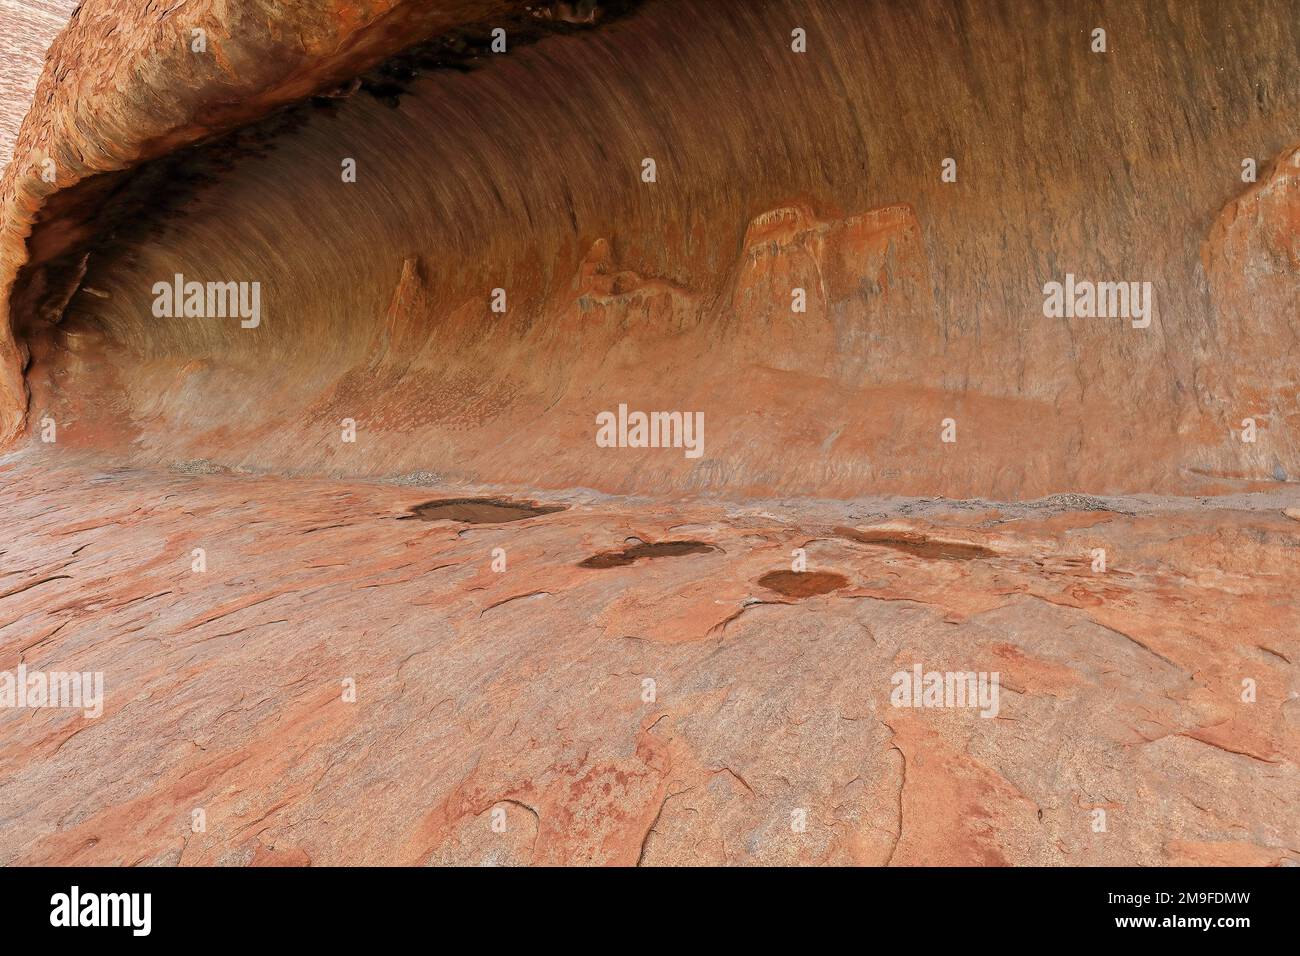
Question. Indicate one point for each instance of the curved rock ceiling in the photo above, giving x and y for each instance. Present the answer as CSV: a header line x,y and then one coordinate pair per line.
x,y
774,171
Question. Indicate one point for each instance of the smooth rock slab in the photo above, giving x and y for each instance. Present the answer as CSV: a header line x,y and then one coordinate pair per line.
x,y
663,711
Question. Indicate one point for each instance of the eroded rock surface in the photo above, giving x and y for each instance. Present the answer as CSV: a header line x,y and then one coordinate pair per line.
x,y
499,224
29,27
366,585
524,691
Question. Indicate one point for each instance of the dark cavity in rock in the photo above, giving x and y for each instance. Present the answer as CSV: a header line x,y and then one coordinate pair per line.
x,y
919,545
802,584
480,510
658,549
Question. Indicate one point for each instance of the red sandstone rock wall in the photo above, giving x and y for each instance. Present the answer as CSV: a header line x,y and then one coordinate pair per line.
x,y
776,170
1157,689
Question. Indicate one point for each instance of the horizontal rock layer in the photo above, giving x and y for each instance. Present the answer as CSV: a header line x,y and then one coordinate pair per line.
x,y
511,686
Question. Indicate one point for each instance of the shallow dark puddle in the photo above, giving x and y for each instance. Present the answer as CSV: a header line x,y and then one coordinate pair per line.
x,y
659,549
919,545
480,510
802,584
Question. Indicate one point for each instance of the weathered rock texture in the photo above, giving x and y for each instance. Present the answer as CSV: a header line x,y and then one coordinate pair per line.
x,y
1162,689
28,26
125,85
774,170
524,689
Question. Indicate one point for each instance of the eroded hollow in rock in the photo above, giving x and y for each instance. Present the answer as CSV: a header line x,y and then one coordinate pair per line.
x,y
802,584
497,273
480,510
633,553
919,545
